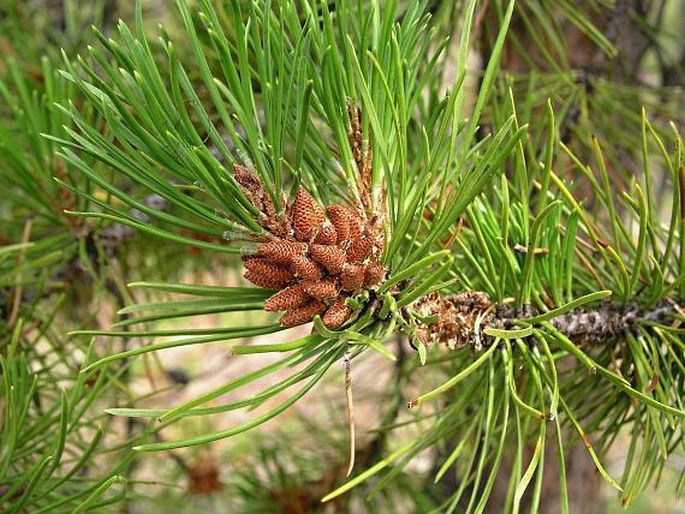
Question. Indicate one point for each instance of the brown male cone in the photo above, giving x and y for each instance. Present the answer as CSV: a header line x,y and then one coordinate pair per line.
x,y
308,216
319,259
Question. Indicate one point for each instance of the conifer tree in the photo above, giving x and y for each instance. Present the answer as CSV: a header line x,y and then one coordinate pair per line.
x,y
503,240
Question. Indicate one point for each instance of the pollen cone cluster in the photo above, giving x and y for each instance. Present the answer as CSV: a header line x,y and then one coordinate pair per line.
x,y
317,257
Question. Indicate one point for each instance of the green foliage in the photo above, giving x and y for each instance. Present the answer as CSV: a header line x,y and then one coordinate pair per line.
x,y
523,187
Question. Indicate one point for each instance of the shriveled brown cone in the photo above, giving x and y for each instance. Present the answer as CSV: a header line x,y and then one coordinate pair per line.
x,y
306,269
327,235
337,314
265,273
331,257
374,274
281,251
352,277
360,249
322,289
458,316
294,317
308,216
289,298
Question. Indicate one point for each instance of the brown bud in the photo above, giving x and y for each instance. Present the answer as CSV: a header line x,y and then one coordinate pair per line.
x,y
289,298
281,251
246,178
373,274
302,314
331,257
306,268
308,215
321,289
337,314
265,273
267,207
254,191
352,277
327,235
360,249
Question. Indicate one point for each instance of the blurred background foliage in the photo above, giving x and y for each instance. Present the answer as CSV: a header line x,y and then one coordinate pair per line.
x,y
593,63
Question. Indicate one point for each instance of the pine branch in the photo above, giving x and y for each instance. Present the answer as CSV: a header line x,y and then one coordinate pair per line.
x,y
463,319
389,171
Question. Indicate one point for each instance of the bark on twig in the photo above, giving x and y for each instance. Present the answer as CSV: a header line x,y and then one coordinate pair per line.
x,y
461,319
